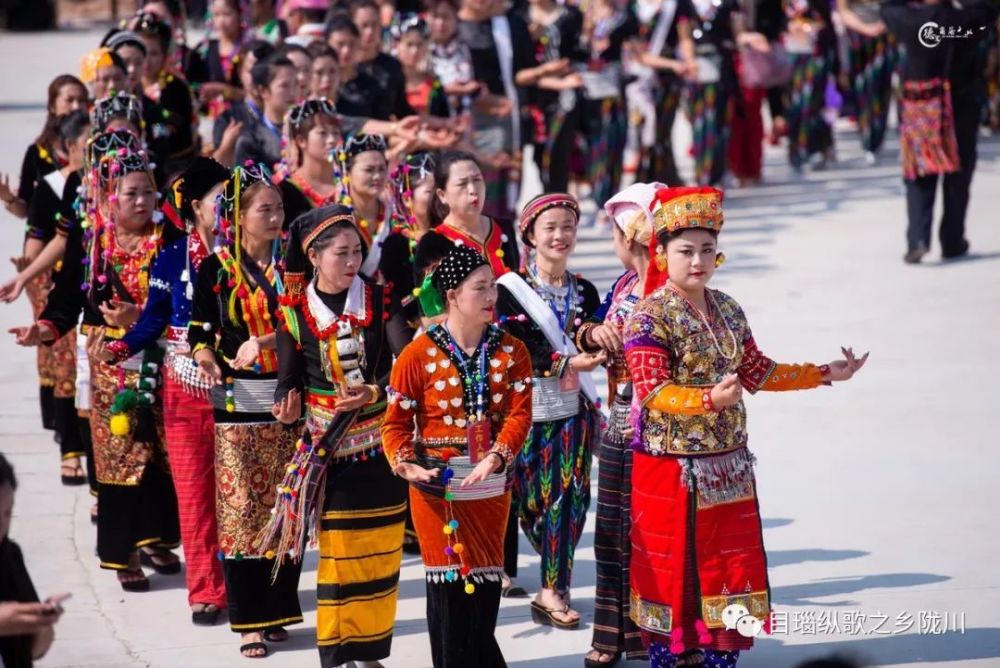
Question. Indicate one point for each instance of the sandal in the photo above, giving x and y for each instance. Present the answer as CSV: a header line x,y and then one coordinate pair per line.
x,y
160,561
596,662
72,474
138,582
206,616
275,634
254,647
547,616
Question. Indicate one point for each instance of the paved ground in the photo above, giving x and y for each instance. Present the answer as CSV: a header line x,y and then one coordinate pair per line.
x,y
879,496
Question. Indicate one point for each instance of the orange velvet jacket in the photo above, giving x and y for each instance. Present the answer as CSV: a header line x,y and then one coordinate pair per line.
x,y
427,392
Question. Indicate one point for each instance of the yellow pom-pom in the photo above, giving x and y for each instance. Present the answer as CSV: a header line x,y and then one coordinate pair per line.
x,y
120,425
321,452
416,292
470,588
447,530
269,554
500,252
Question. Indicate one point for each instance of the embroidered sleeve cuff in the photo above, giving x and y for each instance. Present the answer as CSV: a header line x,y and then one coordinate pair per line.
x,y
404,455
787,377
120,350
680,400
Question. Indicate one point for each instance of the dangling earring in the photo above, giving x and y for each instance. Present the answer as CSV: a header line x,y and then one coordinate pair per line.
x,y
720,259
661,258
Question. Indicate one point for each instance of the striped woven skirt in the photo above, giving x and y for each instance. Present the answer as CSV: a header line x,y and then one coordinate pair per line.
x,y
360,547
614,631
872,62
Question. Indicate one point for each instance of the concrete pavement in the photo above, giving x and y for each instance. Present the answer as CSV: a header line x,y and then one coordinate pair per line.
x,y
879,496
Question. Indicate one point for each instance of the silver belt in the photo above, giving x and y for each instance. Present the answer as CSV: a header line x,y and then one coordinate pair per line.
x,y
494,485
550,402
249,395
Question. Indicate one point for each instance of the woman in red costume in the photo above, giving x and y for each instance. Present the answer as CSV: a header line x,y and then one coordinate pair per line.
x,y
697,546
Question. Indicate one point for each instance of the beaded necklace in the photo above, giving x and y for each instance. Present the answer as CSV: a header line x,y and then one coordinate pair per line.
x,y
317,200
707,322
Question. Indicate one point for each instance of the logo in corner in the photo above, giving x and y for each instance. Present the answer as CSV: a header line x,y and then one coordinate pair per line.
x,y
929,34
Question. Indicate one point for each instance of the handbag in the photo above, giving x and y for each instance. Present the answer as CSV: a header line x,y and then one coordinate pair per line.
x,y
765,69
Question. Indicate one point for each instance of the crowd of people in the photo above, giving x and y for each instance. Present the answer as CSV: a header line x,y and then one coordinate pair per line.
x,y
329,323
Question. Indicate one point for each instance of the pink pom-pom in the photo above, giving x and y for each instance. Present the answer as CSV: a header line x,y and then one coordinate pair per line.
x,y
676,648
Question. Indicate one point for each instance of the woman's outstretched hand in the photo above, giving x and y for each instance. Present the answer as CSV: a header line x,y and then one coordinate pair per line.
x,y
841,370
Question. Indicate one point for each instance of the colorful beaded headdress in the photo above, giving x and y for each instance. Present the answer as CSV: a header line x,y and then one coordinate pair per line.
x,y
228,228
106,142
414,168
675,209
456,267
99,223
119,105
294,119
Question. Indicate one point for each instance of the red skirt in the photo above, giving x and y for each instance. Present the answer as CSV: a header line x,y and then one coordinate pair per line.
x,y
697,548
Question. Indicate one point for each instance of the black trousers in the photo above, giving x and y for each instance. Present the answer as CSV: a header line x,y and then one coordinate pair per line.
x,y
462,625
921,192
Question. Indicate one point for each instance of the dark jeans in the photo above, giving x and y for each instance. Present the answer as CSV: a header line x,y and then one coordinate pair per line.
x,y
921,192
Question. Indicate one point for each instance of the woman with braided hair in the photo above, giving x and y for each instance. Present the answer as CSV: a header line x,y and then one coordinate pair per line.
x,y
232,338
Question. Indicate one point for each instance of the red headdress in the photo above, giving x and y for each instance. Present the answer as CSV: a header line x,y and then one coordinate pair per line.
x,y
680,208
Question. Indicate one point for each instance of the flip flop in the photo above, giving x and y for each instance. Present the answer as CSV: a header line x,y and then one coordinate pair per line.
x,y
170,567
135,586
75,479
594,663
253,646
546,616
206,617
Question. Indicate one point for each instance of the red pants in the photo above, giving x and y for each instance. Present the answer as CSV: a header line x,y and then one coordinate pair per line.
x,y
746,152
190,433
